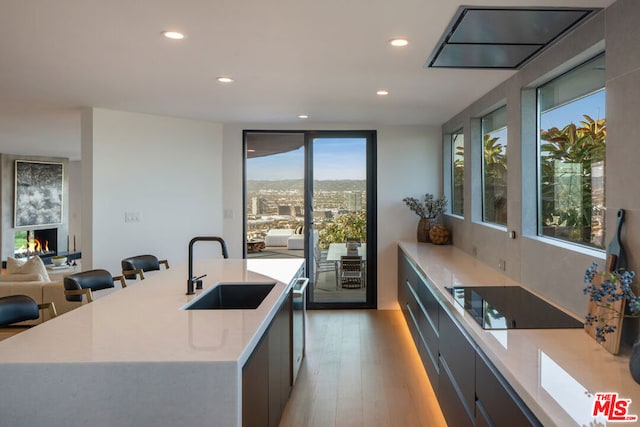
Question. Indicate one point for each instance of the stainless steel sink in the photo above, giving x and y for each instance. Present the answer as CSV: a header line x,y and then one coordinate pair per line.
x,y
231,296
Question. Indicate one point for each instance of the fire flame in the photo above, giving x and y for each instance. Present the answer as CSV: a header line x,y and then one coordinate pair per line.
x,y
35,246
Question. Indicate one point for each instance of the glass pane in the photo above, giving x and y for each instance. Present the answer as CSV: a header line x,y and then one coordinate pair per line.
x,y
572,164
494,167
457,176
340,219
275,195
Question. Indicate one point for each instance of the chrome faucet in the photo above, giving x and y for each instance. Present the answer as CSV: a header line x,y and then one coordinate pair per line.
x,y
198,280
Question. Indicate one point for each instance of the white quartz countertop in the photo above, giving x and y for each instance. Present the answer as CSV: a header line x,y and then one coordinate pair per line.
x,y
133,357
556,372
145,323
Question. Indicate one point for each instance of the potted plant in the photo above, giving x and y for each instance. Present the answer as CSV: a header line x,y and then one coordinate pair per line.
x,y
429,209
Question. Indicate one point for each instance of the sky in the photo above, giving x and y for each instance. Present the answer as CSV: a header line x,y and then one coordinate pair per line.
x,y
333,158
592,105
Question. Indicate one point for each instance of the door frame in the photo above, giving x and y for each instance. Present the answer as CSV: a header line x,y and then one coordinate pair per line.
x,y
371,187
372,250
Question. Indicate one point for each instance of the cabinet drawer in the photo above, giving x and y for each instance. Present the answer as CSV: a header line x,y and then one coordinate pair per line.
x,y
425,325
427,349
448,396
459,355
500,403
428,301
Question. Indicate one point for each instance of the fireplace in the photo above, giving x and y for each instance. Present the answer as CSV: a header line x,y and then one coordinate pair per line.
x,y
36,242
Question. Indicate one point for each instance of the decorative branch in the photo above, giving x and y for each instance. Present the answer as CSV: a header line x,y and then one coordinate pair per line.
x,y
428,208
615,286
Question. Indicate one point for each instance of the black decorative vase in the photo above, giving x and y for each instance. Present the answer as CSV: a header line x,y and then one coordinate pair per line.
x,y
634,361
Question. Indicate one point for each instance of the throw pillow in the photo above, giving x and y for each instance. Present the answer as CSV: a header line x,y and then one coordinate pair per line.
x,y
21,278
13,265
33,265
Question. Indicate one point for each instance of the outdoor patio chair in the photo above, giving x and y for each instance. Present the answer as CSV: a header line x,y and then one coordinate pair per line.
x,y
351,272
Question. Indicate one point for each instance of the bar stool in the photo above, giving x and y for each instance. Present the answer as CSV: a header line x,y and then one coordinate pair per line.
x,y
137,265
87,282
18,308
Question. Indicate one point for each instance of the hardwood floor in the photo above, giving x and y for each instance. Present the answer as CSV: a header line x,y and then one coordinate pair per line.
x,y
361,369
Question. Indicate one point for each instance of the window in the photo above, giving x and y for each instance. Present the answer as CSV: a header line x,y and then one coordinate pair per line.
x,y
494,167
572,130
457,173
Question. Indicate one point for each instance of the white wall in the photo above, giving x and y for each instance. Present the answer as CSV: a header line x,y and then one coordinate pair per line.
x,y
409,164
169,170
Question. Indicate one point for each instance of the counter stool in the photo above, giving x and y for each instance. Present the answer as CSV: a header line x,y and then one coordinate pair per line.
x,y
18,308
137,265
87,282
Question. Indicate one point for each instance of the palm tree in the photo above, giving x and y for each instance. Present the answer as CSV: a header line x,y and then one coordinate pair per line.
x,y
495,179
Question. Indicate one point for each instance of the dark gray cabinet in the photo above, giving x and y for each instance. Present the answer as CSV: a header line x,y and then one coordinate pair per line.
x,y
267,375
457,362
449,399
280,367
421,312
470,390
498,403
255,387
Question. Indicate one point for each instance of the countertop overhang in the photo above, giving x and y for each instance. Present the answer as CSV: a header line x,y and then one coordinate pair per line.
x,y
145,323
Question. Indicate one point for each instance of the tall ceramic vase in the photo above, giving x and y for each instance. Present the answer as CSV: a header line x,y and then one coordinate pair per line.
x,y
423,230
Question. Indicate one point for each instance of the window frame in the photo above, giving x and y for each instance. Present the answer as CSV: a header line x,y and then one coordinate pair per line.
x,y
539,222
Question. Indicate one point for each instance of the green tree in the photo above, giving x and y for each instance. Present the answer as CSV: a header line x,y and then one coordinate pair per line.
x,y
495,180
352,224
568,156
458,181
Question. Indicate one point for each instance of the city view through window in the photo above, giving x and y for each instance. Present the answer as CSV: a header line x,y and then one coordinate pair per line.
x,y
275,191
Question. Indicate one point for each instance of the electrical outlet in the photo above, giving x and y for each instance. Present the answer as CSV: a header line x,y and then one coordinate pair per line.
x,y
228,214
474,250
502,264
132,217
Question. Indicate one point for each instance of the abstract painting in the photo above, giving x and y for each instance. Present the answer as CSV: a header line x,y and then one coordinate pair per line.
x,y
38,193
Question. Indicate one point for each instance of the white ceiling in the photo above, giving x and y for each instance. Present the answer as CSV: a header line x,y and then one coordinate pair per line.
x,y
325,58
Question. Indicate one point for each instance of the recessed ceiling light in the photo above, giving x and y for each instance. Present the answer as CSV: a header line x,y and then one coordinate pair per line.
x,y
174,35
224,79
382,92
398,42
303,116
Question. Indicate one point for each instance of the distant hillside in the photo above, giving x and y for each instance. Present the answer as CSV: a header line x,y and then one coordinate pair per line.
x,y
298,184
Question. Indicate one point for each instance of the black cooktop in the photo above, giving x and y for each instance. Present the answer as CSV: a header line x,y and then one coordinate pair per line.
x,y
510,307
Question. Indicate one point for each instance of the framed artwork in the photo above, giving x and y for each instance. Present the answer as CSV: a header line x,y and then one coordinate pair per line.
x,y
38,193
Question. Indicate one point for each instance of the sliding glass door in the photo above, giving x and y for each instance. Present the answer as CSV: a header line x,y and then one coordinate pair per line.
x,y
312,195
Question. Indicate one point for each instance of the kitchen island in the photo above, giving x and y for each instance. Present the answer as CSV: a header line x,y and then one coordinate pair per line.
x,y
136,358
